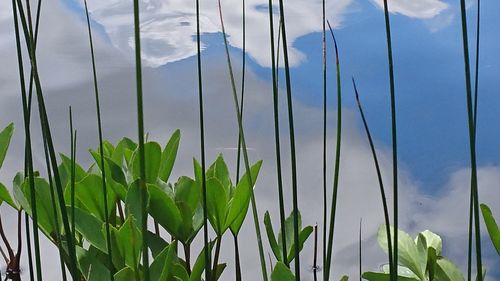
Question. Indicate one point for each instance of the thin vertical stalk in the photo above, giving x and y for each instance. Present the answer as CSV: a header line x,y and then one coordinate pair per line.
x,y
28,247
277,129
394,137
245,151
472,140
218,245
315,261
360,250
379,177
140,126
476,87
101,146
292,143
237,255
336,173
72,172
325,200
28,150
206,239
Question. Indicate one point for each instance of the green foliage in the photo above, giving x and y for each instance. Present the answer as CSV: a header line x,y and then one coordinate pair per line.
x,y
276,246
492,226
420,259
5,136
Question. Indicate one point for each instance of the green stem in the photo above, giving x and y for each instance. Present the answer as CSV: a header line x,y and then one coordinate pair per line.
x,y
325,200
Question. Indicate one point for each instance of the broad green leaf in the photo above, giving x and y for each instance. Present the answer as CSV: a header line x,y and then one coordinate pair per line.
x,y
90,266
304,234
45,210
282,273
89,226
431,263
272,238
186,191
220,171
408,253
162,264
492,226
344,278
448,271
90,193
179,272
152,154
120,152
18,193
378,276
433,240
168,156
402,271
126,244
79,171
219,270
5,136
126,274
133,204
289,231
155,243
241,198
216,205
5,197
198,173
163,209
115,172
108,148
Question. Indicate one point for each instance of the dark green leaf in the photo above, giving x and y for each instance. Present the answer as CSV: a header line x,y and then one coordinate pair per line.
x,y
448,271
163,209
89,192
5,197
282,273
272,238
152,154
216,205
133,204
5,136
492,226
304,234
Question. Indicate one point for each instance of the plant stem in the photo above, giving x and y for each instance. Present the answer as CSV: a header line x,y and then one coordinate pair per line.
x,y
245,152
237,257
216,258
206,239
379,177
394,137
472,141
325,200
292,143
277,130
243,71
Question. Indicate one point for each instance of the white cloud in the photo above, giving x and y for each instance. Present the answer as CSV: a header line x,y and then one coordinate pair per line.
x,y
422,9
168,27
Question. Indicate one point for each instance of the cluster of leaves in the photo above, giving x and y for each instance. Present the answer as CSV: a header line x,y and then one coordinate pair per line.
x,y
420,259
176,207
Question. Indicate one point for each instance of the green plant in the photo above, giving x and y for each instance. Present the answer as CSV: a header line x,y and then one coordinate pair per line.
x,y
492,226
420,259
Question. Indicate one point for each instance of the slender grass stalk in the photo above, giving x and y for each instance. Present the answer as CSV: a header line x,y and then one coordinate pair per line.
x,y
28,247
206,239
325,200
277,128
315,261
28,153
218,245
336,175
476,87
28,33
58,241
238,158
292,143
101,146
472,141
72,134
140,125
245,151
379,177
394,137
360,250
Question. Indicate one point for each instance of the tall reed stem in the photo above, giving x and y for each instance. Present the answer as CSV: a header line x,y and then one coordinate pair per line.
x,y
325,200
472,141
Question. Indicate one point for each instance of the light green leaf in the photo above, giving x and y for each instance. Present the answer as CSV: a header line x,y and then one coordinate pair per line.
x,y
152,154
5,197
89,193
492,226
378,276
179,272
163,209
220,171
344,278
79,171
408,253
162,264
126,244
90,266
126,274
289,231
5,137
155,243
133,204
433,240
199,265
282,273
216,205
304,234
168,156
448,271
272,238
241,198
89,226
186,191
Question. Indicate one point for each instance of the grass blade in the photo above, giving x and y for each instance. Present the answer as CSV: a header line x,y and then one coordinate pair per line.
x,y
325,200
336,175
101,146
206,239
140,126
292,141
277,127
379,177
245,152
472,140
394,137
